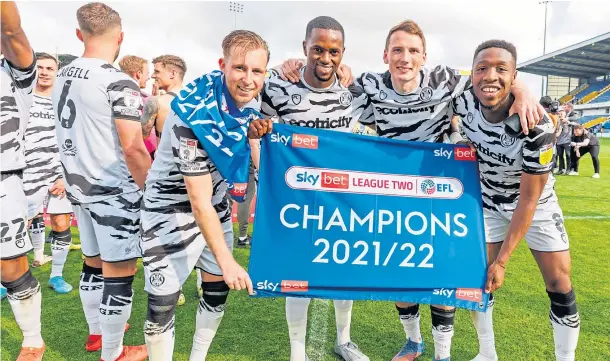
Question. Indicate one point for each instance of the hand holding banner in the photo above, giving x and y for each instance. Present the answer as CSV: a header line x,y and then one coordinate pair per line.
x,y
346,216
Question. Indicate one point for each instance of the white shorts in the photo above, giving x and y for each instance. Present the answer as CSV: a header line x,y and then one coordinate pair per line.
x,y
547,232
110,228
15,241
54,204
172,245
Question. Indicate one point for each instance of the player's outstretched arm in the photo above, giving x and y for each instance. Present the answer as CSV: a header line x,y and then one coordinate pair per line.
x,y
200,190
531,189
526,105
136,156
15,45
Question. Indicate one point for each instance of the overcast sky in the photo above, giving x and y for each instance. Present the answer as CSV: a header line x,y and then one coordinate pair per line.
x,y
453,29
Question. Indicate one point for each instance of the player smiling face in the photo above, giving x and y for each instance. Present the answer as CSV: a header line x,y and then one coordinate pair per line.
x,y
324,51
405,56
493,74
244,65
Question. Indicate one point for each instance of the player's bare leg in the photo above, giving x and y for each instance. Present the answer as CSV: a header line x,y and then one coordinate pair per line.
x,y
483,321
209,314
555,268
60,246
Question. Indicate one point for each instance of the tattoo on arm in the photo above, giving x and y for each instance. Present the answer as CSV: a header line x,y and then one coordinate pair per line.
x,y
149,114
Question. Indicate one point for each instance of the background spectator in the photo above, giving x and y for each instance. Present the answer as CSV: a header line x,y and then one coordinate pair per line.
x,y
584,142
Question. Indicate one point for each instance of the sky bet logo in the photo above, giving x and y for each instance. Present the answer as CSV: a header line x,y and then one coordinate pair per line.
x,y
333,180
298,140
460,153
284,286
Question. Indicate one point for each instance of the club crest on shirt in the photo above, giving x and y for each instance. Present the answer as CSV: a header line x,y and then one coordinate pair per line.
x,y
188,149
382,95
469,117
507,140
296,99
345,98
425,94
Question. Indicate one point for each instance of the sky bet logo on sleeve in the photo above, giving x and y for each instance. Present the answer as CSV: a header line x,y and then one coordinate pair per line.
x,y
460,153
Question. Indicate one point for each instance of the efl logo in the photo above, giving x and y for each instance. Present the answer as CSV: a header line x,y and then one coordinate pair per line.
x,y
469,294
295,286
464,154
428,186
335,180
239,189
304,141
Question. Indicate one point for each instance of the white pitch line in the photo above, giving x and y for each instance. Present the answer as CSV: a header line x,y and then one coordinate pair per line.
x,y
317,333
587,217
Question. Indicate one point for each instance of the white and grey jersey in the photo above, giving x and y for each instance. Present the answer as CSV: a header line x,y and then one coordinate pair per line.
x,y
334,108
422,115
181,154
503,159
16,87
43,166
88,96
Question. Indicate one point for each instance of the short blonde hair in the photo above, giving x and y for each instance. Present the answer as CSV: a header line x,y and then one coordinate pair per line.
x,y
243,41
172,60
97,18
409,27
130,64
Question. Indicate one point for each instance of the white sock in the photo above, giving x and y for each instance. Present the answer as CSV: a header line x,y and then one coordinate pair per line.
x,y
207,322
115,310
242,238
160,346
90,291
483,323
410,323
37,235
566,324
296,316
442,331
343,318
60,246
25,299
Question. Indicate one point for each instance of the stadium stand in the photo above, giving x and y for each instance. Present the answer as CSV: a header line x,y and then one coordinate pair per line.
x,y
583,70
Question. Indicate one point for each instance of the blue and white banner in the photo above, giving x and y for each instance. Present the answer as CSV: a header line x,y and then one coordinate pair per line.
x,y
346,216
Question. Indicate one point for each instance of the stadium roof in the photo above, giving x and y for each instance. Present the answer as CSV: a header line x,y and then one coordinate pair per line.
x,y
587,59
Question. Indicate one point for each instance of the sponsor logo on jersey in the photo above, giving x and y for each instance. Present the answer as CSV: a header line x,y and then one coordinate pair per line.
x,y
507,140
69,148
188,149
546,154
469,117
296,99
388,111
469,294
42,115
304,141
425,94
496,156
345,98
341,122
